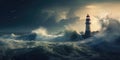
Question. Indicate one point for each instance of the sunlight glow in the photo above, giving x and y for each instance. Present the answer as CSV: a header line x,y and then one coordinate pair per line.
x,y
98,11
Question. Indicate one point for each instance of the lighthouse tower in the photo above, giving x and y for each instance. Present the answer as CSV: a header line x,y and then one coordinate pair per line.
x,y
87,31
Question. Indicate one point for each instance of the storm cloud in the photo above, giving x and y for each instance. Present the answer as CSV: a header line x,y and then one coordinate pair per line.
x,y
27,15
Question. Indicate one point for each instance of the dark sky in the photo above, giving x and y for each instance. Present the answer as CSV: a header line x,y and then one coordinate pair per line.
x,y
27,15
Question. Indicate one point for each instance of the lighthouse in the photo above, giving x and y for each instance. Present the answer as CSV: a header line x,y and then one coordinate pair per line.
x,y
87,30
